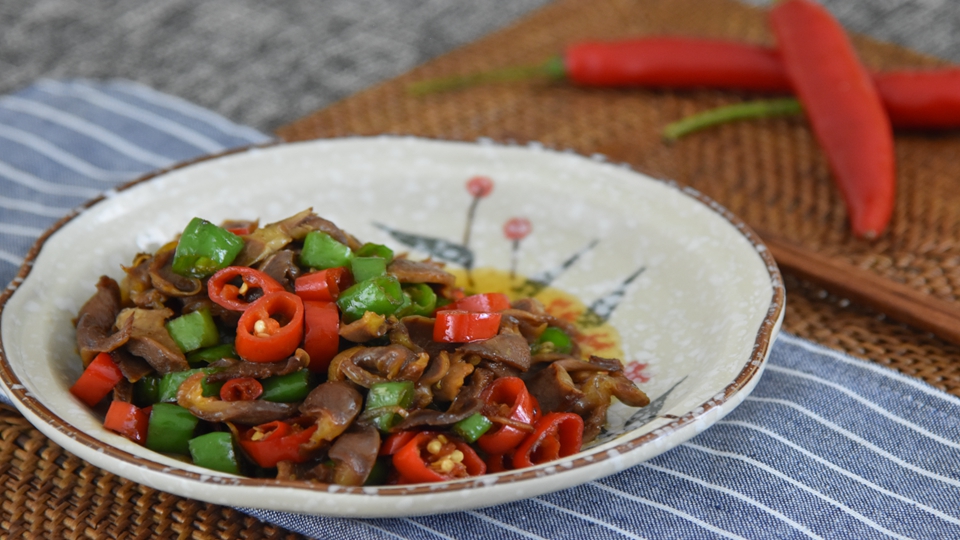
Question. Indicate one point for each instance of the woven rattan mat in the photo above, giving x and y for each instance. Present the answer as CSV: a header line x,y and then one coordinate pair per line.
x,y
768,172
771,173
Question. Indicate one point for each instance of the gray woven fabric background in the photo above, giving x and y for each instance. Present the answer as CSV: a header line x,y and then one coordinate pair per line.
x,y
307,53
312,53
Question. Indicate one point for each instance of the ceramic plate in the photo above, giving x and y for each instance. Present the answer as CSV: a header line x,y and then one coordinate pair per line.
x,y
691,299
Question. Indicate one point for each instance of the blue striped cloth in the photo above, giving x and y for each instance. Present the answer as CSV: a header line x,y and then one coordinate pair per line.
x,y
827,446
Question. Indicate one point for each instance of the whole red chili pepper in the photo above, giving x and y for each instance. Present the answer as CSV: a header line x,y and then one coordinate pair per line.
x,y
557,435
507,397
263,338
674,63
226,294
843,107
923,99
912,98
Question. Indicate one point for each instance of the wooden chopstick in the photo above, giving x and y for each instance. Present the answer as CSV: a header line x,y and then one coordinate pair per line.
x,y
895,300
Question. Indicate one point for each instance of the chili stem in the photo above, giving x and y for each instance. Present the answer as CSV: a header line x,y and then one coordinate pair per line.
x,y
731,113
551,69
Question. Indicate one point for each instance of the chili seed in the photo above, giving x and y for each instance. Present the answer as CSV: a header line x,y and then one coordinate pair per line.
x,y
260,328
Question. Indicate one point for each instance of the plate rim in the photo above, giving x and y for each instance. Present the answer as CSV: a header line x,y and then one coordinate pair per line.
x,y
752,367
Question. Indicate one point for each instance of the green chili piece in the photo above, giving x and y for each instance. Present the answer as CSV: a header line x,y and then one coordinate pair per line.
x,y
380,471
170,429
320,251
423,301
170,384
194,330
364,268
382,295
389,395
375,250
554,340
215,451
211,389
472,427
146,391
286,388
212,354
205,248
386,421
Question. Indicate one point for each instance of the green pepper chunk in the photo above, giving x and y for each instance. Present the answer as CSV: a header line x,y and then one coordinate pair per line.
x,y
194,330
286,388
215,451
320,251
553,340
212,354
170,429
389,395
364,268
386,421
375,250
205,248
380,471
423,301
146,391
382,295
209,389
170,384
472,427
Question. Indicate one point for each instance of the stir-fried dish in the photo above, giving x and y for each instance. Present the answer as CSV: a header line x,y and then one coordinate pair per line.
x,y
294,351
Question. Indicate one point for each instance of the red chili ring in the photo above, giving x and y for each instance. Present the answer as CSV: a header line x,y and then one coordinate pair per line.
x,y
241,389
271,345
225,294
524,408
